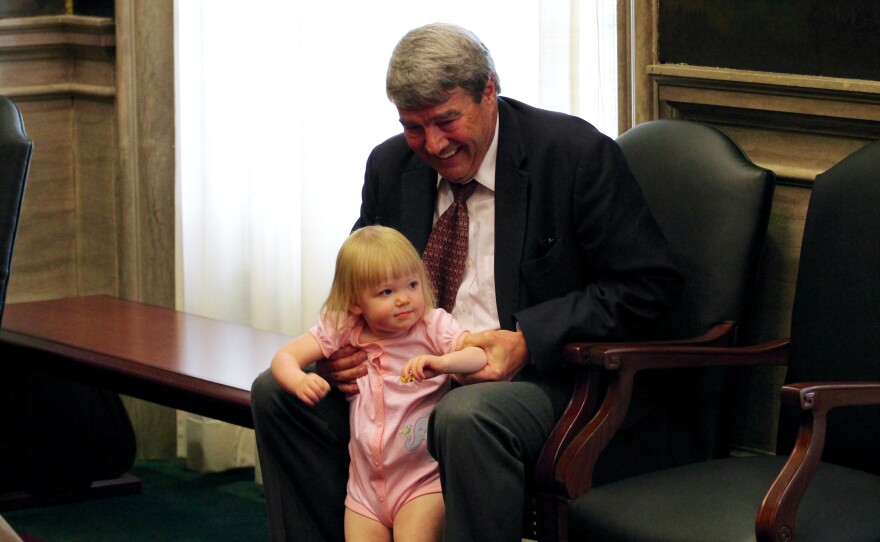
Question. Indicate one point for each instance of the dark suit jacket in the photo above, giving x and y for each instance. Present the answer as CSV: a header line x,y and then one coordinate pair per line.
x,y
578,255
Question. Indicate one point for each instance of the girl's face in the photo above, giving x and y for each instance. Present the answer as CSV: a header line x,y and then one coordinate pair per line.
x,y
392,307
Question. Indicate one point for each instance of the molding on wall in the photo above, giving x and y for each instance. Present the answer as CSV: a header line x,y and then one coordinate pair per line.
x,y
57,56
796,125
58,90
25,32
644,53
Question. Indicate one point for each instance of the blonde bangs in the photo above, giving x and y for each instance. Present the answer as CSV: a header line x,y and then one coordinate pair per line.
x,y
369,257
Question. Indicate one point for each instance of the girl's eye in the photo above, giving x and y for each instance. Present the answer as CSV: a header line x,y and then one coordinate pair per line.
x,y
413,285
386,291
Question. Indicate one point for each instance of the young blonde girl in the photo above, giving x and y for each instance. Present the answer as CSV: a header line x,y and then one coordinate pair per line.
x,y
381,302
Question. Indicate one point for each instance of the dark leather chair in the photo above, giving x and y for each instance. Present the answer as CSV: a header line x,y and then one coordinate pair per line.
x,y
15,157
713,204
831,404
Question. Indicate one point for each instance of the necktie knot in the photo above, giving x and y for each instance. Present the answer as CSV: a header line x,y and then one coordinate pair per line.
x,y
461,192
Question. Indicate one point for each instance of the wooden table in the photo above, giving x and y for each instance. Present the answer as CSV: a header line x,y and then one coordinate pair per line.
x,y
106,346
181,360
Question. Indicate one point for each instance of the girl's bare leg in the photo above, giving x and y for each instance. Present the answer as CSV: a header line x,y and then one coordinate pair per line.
x,y
420,520
360,528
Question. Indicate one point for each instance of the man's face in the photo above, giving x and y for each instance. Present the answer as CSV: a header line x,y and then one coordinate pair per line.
x,y
453,137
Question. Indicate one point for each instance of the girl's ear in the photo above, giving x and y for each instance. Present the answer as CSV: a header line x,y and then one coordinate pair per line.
x,y
356,310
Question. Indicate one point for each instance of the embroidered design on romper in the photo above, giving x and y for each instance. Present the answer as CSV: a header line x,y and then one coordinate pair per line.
x,y
416,434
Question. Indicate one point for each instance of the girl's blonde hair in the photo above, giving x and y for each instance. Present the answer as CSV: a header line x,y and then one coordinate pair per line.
x,y
368,257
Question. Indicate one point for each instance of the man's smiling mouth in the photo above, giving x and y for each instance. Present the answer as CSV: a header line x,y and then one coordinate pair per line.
x,y
449,154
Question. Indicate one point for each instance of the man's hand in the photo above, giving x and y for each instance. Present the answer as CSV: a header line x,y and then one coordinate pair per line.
x,y
344,367
506,351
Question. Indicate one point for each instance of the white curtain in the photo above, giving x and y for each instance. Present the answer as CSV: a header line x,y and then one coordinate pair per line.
x,y
279,102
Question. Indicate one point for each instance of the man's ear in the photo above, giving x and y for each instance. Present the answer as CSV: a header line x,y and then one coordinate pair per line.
x,y
489,91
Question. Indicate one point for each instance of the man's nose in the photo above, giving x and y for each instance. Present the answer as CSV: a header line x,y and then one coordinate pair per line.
x,y
435,141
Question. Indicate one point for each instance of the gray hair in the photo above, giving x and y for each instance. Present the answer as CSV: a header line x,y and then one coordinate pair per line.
x,y
433,60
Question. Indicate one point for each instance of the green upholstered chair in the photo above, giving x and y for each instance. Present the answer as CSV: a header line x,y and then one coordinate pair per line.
x,y
713,204
823,482
15,156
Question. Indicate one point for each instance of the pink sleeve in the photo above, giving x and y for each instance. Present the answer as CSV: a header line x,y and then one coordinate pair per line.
x,y
331,338
442,330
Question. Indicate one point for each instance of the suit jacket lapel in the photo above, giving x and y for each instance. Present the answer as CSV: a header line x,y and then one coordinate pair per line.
x,y
511,212
418,196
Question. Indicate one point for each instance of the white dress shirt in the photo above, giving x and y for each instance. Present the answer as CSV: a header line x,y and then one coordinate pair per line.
x,y
475,307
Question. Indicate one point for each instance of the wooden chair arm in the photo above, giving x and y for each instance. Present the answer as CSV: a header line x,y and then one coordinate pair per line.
x,y
585,390
574,470
720,335
635,358
585,393
823,396
776,516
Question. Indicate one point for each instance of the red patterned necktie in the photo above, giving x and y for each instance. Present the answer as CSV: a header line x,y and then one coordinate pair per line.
x,y
447,247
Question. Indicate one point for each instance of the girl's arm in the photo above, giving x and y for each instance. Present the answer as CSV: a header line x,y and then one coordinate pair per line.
x,y
287,369
464,361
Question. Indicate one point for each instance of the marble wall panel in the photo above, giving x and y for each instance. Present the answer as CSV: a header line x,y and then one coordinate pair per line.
x,y
34,68
60,72
90,70
44,263
94,129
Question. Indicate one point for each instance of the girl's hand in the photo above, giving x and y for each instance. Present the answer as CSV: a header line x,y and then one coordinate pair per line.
x,y
506,352
420,368
310,388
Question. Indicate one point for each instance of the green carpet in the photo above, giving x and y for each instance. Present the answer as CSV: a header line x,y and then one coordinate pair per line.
x,y
176,504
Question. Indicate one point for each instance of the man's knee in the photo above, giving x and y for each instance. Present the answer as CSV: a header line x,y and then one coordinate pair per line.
x,y
263,390
458,416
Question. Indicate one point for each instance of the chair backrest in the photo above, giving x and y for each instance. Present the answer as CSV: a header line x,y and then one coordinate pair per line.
x,y
15,157
713,204
835,324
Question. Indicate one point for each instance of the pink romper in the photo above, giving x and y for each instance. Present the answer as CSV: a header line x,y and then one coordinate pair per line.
x,y
390,464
